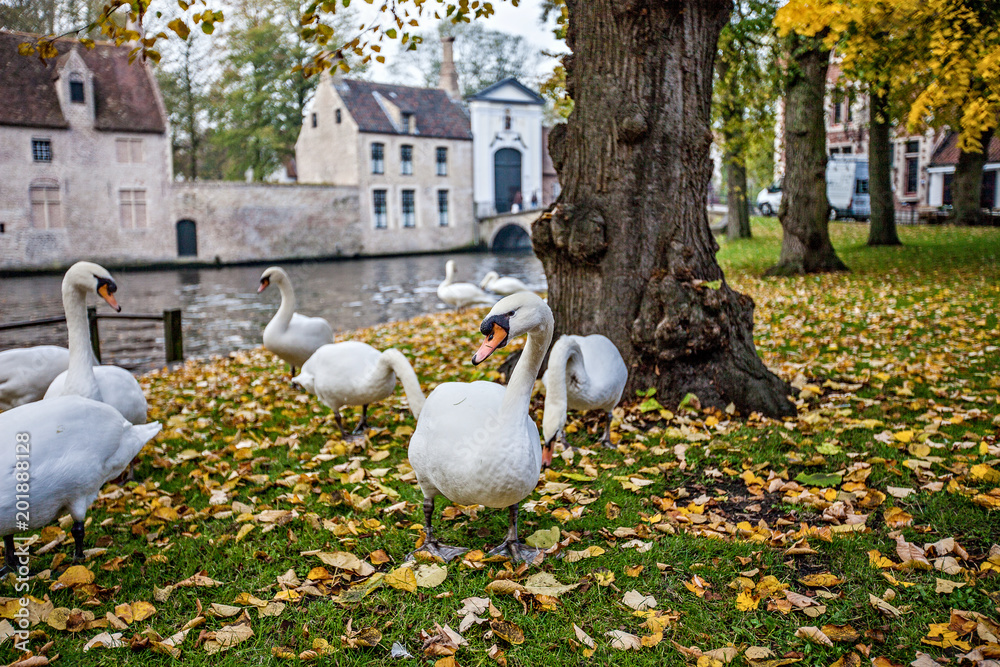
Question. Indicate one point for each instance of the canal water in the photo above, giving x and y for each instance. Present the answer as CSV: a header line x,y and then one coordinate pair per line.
x,y
222,311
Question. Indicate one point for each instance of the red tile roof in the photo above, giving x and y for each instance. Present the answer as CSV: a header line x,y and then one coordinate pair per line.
x,y
434,113
124,94
947,152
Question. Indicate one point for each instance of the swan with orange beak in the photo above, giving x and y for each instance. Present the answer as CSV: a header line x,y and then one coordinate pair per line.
x,y
475,442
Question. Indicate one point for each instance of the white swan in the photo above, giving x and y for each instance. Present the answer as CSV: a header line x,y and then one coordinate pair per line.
x,y
109,384
291,336
507,285
26,373
475,443
69,447
354,373
584,373
460,295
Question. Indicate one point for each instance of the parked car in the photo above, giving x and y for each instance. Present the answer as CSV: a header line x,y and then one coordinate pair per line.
x,y
847,187
769,199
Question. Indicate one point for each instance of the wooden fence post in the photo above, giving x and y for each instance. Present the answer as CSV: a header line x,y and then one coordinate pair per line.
x,y
173,337
95,334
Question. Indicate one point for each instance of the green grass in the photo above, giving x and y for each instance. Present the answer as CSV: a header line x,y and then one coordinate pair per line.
x,y
905,342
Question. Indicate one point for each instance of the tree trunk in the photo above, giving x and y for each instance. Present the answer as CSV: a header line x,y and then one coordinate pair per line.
x,y
738,211
627,249
967,184
804,210
882,228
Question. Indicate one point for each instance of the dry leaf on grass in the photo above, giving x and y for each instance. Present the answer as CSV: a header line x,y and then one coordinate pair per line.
x,y
813,634
638,601
623,641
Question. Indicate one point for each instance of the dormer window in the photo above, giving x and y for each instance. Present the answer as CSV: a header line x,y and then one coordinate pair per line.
x,y
407,123
76,88
338,115
314,120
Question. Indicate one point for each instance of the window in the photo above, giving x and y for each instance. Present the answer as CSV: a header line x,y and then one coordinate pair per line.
x,y
836,113
314,122
409,209
912,164
834,151
946,199
846,150
379,209
129,150
76,88
378,158
506,119
861,187
132,207
443,208
337,115
442,161
850,111
41,150
406,160
46,208
407,123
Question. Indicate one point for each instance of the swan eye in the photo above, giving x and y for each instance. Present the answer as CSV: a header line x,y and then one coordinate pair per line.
x,y
510,314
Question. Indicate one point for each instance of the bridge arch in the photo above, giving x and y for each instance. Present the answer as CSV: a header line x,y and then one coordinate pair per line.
x,y
514,236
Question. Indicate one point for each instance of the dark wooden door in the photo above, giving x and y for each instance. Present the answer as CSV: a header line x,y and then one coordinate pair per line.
x,y
187,239
506,177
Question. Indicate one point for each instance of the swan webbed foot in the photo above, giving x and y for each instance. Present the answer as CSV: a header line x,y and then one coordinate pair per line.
x,y
437,550
606,438
78,531
518,552
9,559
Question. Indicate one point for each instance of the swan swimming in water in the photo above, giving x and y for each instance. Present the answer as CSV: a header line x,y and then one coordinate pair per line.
x,y
506,286
584,373
460,295
475,443
291,336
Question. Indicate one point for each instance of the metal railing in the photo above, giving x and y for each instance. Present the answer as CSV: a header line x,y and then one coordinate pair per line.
x,y
173,337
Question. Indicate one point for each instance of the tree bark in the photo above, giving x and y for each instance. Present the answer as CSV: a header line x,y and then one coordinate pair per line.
x,y
627,249
804,210
882,227
967,184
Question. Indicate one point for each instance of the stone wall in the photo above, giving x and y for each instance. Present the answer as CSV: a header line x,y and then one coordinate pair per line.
x,y
240,222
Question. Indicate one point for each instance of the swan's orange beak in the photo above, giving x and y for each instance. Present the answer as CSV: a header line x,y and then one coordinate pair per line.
x,y
493,341
547,455
264,282
105,293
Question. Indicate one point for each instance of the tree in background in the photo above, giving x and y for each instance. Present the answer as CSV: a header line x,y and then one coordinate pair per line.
x,y
805,243
876,43
482,57
184,75
745,90
48,17
960,88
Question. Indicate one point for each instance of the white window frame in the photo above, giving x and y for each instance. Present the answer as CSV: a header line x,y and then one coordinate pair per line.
x,y
412,219
133,208
49,196
385,209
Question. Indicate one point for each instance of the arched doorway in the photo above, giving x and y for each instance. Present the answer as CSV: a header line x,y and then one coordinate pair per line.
x,y
506,177
187,239
511,238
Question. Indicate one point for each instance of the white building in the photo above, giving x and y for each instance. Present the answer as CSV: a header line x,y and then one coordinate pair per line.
x,y
942,170
507,148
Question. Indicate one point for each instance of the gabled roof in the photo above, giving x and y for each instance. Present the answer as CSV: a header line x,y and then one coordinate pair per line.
x,y
947,152
124,94
488,94
435,114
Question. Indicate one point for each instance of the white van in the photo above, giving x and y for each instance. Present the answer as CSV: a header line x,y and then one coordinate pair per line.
x,y
846,189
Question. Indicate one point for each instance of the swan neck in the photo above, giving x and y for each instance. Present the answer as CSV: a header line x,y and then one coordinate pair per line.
x,y
449,273
396,362
556,401
80,379
522,381
284,315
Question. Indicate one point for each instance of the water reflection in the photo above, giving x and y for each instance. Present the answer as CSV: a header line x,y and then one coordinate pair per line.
x,y
222,311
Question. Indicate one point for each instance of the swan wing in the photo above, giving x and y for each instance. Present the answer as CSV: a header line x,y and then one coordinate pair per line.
x,y
303,336
25,374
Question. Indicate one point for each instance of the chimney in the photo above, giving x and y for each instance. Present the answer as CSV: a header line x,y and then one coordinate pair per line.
x,y
448,81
